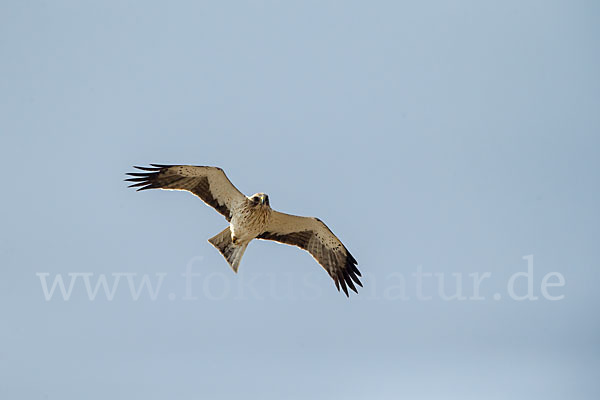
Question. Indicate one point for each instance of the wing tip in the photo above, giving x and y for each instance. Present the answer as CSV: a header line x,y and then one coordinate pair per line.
x,y
349,274
343,285
146,179
161,166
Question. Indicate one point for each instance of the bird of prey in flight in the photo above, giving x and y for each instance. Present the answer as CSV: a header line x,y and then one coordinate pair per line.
x,y
252,218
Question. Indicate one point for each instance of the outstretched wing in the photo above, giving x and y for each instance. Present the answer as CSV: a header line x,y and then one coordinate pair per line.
x,y
312,235
209,183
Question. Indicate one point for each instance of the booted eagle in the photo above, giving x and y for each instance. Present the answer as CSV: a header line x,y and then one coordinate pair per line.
x,y
252,218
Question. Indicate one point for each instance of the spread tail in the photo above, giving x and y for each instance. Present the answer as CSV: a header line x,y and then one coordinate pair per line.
x,y
232,253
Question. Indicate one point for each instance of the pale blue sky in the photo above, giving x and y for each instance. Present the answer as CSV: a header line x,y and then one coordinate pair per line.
x,y
454,136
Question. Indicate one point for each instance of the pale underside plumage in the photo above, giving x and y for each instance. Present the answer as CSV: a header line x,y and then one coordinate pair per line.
x,y
214,188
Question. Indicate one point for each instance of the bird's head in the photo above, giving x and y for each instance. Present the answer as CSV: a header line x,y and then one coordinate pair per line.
x,y
259,199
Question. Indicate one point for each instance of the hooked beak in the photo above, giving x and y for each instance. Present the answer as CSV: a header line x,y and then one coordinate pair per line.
x,y
262,199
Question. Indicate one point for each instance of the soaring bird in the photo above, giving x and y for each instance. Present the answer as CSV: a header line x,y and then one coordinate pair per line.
x,y
251,217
